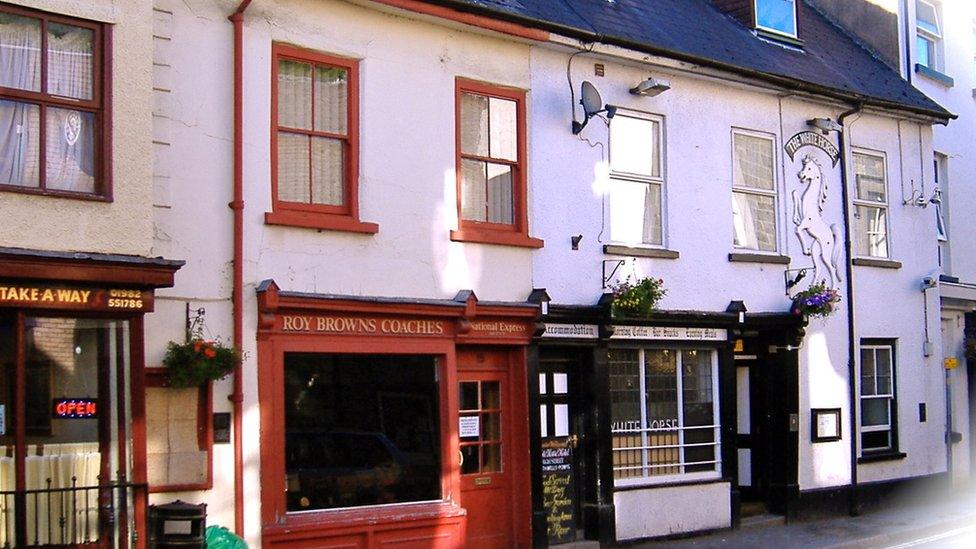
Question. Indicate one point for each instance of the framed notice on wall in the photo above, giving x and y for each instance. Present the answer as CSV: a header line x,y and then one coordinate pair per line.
x,y
826,424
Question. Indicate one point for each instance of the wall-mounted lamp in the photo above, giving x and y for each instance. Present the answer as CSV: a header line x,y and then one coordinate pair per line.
x,y
540,297
917,197
825,125
651,87
575,240
592,106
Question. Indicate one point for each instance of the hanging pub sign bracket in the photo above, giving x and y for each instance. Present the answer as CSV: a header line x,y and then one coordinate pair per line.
x,y
616,264
792,278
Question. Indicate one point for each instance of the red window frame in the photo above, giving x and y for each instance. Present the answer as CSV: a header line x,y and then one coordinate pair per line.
x,y
99,105
319,216
517,233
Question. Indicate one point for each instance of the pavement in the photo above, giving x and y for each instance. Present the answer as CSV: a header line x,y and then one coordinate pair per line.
x,y
925,520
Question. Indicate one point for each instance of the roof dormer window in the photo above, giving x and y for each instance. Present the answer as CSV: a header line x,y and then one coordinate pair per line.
x,y
778,16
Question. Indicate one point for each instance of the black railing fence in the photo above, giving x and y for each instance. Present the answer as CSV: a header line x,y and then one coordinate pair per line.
x,y
72,516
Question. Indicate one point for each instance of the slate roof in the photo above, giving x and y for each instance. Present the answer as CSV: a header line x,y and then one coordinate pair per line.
x,y
831,63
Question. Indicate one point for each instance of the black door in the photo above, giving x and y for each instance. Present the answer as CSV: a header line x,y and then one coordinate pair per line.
x,y
560,432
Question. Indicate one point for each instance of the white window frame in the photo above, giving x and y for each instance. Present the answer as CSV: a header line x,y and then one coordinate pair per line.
x,y
867,203
774,194
892,424
935,39
796,25
641,178
646,448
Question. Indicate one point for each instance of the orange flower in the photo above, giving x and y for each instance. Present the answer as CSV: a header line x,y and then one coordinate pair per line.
x,y
196,346
209,352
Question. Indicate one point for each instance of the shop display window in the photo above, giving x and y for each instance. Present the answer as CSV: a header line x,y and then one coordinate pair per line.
x,y
360,430
664,414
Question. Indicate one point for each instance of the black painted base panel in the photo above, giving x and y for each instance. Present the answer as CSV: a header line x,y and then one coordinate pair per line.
x,y
833,502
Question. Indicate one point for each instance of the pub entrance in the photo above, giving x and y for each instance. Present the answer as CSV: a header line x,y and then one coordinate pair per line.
x,y
561,433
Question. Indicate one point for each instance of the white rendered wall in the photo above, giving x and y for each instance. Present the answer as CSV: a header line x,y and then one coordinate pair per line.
x,y
656,512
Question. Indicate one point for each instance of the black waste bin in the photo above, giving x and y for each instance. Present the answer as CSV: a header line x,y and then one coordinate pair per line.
x,y
177,524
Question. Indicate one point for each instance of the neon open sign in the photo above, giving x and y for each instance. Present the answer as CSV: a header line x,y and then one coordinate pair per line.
x,y
75,408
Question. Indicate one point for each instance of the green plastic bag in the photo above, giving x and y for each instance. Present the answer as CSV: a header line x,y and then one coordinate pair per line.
x,y
218,537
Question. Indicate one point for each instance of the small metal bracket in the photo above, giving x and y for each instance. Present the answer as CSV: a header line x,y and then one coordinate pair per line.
x,y
617,264
792,277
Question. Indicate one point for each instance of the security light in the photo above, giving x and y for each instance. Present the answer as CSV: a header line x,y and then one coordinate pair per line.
x,y
651,87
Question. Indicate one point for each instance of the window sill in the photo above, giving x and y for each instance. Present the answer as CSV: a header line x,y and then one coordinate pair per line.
x,y
91,197
499,238
713,478
881,456
935,75
640,251
750,257
780,37
875,262
323,222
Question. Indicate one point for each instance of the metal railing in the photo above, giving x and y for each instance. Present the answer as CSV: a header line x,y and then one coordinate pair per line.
x,y
70,516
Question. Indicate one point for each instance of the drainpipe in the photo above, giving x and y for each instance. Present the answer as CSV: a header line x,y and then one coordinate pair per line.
x,y
854,507
237,205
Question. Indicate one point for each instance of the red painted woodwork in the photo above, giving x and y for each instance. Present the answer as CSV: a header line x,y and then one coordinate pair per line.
x,y
15,265
504,27
441,329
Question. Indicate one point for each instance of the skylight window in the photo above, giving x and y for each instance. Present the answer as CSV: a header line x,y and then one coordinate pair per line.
x,y
777,16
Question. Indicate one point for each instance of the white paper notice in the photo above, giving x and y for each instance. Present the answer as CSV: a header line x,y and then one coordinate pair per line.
x,y
469,426
827,425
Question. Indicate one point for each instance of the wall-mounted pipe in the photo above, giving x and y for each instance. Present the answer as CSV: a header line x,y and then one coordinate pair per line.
x,y
237,205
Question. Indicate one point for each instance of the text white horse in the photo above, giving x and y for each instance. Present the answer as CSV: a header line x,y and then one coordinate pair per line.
x,y
810,225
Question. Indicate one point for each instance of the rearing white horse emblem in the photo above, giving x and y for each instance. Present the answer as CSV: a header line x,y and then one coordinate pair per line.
x,y
810,225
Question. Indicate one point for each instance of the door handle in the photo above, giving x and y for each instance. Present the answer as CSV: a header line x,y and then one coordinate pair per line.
x,y
460,458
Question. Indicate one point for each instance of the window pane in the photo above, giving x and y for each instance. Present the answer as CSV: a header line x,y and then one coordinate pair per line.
x,y
474,185
328,181
872,231
868,372
869,172
469,395
662,411
924,50
635,212
926,17
70,61
874,411
884,371
294,94
471,462
491,395
70,148
777,15
753,163
634,146
361,430
876,440
492,461
754,221
500,194
625,413
19,143
331,95
20,52
503,129
293,163
474,124
698,408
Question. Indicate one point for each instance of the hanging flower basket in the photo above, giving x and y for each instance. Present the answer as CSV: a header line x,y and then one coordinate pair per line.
x,y
638,299
196,362
817,300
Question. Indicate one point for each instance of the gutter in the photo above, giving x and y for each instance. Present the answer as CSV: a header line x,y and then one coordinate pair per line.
x,y
853,503
237,205
583,35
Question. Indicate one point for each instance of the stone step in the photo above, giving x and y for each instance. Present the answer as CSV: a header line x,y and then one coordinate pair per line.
x,y
761,521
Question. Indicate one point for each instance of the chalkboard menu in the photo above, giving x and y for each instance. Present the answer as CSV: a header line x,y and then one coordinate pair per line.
x,y
558,491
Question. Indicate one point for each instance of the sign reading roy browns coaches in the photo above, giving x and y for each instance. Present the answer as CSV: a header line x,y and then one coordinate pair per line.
x,y
76,298
384,326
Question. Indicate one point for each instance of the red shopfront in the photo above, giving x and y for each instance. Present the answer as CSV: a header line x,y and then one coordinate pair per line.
x,y
392,421
72,408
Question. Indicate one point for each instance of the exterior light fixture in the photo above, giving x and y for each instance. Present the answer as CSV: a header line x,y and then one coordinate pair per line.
x,y
651,87
541,297
825,125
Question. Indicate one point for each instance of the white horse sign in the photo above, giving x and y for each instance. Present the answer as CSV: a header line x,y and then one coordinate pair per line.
x,y
811,229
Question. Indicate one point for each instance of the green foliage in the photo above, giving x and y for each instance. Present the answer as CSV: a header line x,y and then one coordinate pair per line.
x,y
638,299
196,362
817,300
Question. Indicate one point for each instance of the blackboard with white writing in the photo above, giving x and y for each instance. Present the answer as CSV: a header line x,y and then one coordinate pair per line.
x,y
558,490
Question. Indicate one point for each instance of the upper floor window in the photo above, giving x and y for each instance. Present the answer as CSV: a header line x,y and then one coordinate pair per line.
x,y
928,41
315,156
636,179
777,16
52,113
870,205
491,187
753,191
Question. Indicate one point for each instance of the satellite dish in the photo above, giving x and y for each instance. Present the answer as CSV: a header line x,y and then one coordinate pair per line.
x,y
592,105
590,99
